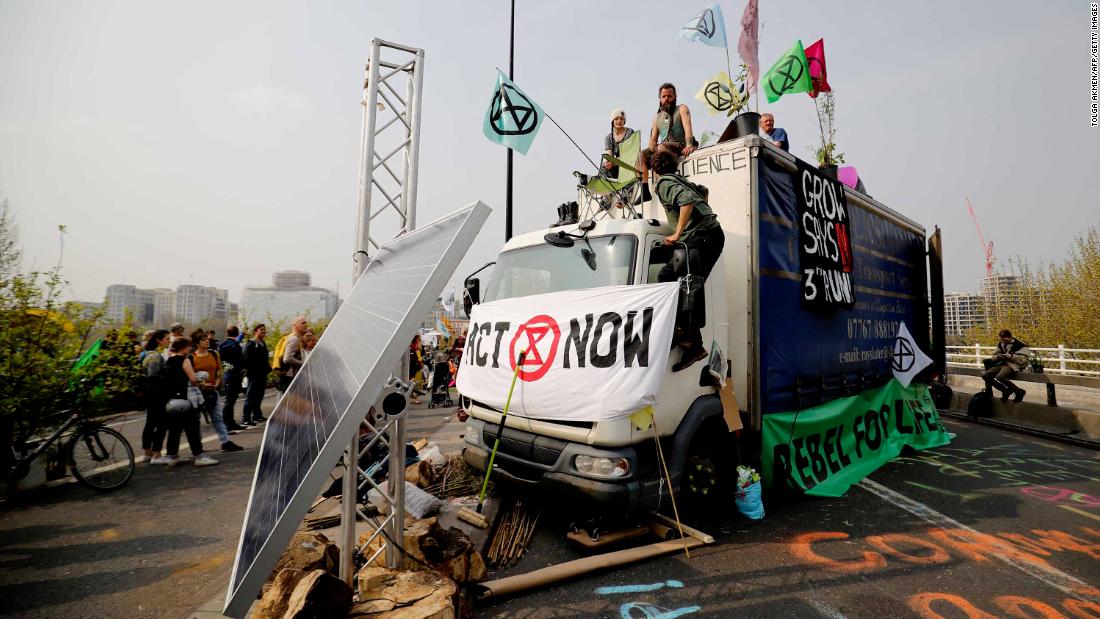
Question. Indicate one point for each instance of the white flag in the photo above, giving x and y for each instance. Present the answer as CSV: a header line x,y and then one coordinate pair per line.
x,y
448,301
708,27
908,359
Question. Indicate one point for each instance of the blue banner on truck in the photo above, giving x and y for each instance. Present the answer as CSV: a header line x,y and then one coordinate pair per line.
x,y
811,353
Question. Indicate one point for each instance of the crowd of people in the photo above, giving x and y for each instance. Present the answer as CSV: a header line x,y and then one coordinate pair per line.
x,y
187,379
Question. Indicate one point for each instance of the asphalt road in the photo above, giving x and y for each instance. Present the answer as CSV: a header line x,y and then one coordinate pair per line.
x,y
997,523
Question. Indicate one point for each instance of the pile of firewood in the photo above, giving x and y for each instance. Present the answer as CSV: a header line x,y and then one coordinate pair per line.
x,y
513,536
455,479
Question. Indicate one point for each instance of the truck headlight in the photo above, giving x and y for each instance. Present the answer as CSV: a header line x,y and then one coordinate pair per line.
x,y
602,467
471,435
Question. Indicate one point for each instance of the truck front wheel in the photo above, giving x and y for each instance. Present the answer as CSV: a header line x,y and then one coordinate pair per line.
x,y
706,481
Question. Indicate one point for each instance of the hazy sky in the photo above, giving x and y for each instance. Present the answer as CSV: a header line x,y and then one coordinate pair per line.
x,y
217,142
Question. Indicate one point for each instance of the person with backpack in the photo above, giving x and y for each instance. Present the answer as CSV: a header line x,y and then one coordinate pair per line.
x,y
204,360
288,353
696,227
257,365
181,416
152,363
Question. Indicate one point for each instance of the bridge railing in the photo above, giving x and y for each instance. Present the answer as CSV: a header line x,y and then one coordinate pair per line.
x,y
1056,360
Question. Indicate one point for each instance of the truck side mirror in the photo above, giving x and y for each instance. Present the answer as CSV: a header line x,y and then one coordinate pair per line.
x,y
472,296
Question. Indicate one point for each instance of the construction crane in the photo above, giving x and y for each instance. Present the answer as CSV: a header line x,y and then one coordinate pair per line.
x,y
986,247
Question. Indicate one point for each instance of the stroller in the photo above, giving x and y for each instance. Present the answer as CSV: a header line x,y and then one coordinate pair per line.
x,y
439,383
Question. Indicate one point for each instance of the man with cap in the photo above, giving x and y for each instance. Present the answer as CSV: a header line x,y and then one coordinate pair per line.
x,y
619,133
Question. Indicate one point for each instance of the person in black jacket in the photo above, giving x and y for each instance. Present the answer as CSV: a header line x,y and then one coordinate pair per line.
x,y
233,362
257,365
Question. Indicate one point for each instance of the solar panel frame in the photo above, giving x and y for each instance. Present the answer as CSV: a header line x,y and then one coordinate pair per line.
x,y
244,586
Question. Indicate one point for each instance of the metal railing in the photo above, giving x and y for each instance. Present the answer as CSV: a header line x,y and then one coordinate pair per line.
x,y
1057,360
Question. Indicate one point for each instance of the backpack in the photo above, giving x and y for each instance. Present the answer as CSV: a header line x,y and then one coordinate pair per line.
x,y
277,361
981,404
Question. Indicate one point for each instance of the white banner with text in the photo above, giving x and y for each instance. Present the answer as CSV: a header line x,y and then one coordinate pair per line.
x,y
591,355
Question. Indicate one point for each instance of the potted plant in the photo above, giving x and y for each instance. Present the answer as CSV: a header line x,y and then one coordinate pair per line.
x,y
747,122
827,155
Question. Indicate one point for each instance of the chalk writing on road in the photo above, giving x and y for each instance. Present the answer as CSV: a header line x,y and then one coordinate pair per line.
x,y
1007,465
645,610
939,605
939,546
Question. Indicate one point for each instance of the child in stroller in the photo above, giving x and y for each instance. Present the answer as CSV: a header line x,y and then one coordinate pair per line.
x,y
440,382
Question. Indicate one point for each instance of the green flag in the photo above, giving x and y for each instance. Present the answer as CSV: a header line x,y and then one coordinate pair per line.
x,y
512,119
791,73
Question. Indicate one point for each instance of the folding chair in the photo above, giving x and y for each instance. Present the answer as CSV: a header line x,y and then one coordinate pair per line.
x,y
625,190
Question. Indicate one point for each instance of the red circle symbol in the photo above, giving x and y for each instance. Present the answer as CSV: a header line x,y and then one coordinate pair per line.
x,y
540,354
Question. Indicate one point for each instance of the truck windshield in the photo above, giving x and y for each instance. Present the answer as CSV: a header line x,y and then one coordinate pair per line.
x,y
544,268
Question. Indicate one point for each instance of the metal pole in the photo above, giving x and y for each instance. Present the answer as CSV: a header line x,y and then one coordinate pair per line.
x,y
511,76
396,486
416,84
362,240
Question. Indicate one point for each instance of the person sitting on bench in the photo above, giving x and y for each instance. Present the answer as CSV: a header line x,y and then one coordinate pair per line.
x,y
1011,356
696,226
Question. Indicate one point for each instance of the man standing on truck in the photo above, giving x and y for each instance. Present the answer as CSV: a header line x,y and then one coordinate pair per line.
x,y
696,226
1011,356
671,127
777,135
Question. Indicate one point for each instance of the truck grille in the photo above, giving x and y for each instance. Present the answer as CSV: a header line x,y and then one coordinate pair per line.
x,y
524,445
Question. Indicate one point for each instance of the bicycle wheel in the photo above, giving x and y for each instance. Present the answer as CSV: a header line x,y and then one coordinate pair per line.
x,y
101,459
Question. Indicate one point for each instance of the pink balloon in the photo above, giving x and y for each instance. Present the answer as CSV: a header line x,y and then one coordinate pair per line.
x,y
848,176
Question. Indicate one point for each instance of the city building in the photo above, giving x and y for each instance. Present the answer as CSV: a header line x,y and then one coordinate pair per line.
x,y
290,295
197,303
963,311
188,304
164,306
1000,290
123,298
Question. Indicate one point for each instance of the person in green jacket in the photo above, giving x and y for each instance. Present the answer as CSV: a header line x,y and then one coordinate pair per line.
x,y
694,225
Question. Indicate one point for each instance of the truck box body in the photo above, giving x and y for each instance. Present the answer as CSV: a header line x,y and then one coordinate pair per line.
x,y
784,354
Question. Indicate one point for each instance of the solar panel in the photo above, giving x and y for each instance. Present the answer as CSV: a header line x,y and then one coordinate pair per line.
x,y
321,410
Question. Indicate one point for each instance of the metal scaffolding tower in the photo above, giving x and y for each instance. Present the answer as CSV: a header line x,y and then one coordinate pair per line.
x,y
390,198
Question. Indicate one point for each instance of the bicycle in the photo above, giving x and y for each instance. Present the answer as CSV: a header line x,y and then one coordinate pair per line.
x,y
98,456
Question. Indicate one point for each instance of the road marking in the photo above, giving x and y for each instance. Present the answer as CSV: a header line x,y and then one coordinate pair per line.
x,y
826,610
966,497
1081,512
1044,572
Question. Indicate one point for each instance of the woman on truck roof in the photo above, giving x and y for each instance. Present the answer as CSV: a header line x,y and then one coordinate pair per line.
x,y
694,225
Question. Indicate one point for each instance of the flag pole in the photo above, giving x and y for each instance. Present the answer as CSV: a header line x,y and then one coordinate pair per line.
x,y
511,69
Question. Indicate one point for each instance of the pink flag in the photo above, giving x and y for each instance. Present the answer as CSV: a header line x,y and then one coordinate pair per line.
x,y
815,57
748,44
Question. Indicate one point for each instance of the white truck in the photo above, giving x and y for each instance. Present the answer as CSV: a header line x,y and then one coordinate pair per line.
x,y
800,322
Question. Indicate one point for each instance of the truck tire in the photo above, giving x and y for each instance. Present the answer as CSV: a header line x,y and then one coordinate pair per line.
x,y
706,481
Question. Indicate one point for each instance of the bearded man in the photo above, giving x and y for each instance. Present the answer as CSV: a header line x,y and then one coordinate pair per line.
x,y
671,127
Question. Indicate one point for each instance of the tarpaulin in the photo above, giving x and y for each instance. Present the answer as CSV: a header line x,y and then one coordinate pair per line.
x,y
825,449
847,349
591,355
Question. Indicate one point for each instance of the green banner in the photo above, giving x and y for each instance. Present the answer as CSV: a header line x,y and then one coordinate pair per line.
x,y
825,449
789,74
